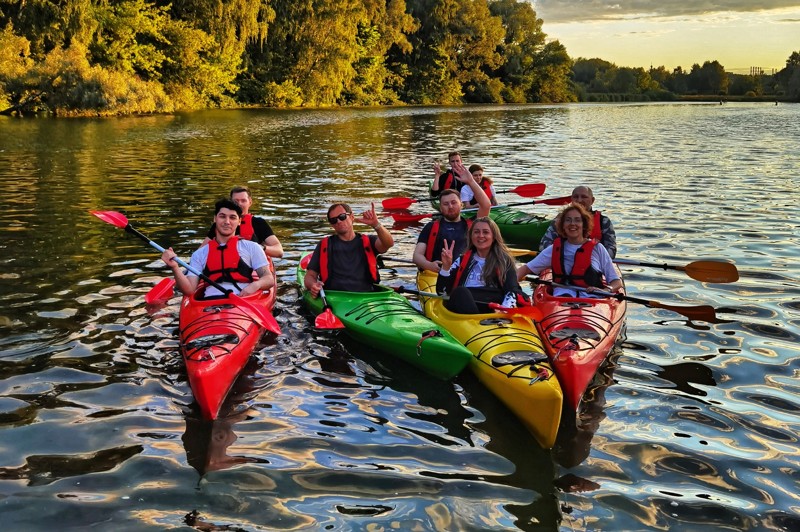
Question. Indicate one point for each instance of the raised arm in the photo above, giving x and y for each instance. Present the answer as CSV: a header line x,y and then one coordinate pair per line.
x,y
385,239
463,175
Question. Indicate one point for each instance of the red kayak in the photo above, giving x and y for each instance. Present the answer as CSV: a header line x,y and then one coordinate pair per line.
x,y
578,333
217,338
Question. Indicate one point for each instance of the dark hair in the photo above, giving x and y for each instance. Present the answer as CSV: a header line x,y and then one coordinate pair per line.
x,y
345,206
241,188
448,191
588,221
452,153
227,203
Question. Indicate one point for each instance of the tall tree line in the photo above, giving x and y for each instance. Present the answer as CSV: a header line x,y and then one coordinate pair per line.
x,y
139,56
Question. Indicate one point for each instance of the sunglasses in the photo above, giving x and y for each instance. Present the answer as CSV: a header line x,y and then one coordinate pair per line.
x,y
342,217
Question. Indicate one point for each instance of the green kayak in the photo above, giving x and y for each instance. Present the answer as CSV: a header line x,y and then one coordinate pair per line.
x,y
385,320
518,228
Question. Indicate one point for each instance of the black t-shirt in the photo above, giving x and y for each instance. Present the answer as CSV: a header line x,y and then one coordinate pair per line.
x,y
261,229
457,231
348,268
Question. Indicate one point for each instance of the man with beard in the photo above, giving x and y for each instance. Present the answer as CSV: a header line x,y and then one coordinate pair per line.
x,y
451,227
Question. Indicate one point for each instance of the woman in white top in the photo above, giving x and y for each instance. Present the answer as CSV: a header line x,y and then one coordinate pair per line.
x,y
468,196
575,258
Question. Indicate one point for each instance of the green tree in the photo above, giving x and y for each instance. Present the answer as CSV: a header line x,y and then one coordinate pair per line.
x,y
711,78
454,50
553,68
524,40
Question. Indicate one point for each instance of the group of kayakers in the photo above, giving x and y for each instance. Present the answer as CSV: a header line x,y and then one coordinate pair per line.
x,y
474,266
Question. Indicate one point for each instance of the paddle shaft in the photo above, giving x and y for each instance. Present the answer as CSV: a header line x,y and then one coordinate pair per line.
x,y
132,230
701,270
700,312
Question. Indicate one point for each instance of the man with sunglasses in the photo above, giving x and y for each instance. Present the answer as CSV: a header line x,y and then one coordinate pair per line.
x,y
451,227
347,260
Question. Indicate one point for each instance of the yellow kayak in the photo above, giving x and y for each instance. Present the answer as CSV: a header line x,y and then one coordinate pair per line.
x,y
508,357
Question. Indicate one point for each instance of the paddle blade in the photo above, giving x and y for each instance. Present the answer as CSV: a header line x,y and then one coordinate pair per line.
x,y
400,217
712,271
327,320
398,203
532,190
563,200
699,313
112,217
519,252
162,291
258,313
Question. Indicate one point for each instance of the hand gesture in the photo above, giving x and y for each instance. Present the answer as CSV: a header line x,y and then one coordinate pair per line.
x,y
369,217
437,168
447,254
461,172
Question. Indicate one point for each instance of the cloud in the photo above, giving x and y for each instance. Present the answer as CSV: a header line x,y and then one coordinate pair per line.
x,y
561,11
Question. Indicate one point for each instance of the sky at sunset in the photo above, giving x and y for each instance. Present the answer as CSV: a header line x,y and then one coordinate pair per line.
x,y
671,33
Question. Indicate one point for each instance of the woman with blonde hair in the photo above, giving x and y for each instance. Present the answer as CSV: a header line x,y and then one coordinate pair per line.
x,y
485,273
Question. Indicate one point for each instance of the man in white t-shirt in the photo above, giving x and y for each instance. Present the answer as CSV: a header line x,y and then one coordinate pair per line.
x,y
229,265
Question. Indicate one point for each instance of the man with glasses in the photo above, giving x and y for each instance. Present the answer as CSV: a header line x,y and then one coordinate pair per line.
x,y
603,230
347,260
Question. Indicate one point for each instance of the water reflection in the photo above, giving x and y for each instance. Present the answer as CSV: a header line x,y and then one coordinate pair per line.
x,y
696,426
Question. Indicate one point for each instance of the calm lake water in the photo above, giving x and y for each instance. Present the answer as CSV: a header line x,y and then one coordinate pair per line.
x,y
690,426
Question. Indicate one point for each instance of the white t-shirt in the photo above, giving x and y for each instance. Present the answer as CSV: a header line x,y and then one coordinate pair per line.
x,y
250,252
601,261
467,195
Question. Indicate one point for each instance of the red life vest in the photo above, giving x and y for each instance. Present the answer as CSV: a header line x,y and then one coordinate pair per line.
x,y
225,265
487,188
582,273
449,181
464,266
597,230
369,251
433,236
246,229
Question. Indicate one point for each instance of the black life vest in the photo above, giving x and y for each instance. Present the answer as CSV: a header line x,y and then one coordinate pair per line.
x,y
582,274
369,251
225,265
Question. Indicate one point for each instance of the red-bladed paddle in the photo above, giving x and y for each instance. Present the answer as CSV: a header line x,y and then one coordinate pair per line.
x,y
327,319
529,312
699,312
162,291
259,314
531,190
407,217
709,271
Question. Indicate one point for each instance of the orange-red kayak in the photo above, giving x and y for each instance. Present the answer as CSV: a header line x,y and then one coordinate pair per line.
x,y
217,338
578,333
